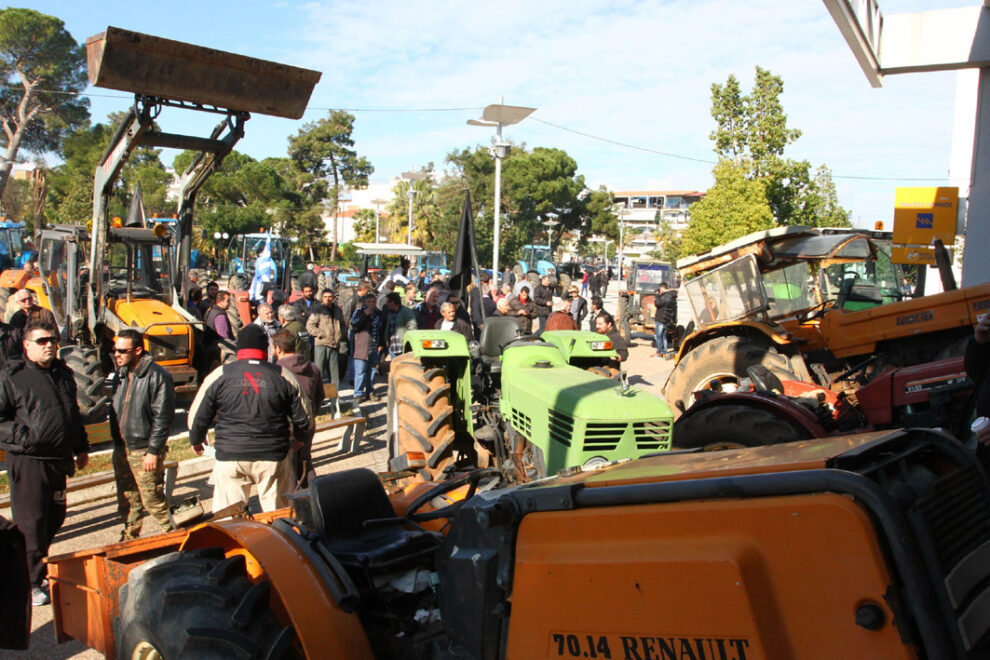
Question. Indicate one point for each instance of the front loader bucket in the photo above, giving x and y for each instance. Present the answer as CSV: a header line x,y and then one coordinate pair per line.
x,y
153,66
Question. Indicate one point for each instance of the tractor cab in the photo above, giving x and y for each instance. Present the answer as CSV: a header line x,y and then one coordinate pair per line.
x,y
788,272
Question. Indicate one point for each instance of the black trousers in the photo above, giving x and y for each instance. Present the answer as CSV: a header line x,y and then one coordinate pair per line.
x,y
37,506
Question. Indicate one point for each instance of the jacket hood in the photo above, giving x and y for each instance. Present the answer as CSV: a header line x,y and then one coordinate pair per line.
x,y
294,363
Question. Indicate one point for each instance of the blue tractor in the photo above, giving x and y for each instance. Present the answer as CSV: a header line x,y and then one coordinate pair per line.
x,y
537,261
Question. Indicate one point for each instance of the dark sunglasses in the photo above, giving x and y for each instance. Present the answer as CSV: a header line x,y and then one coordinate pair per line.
x,y
44,341
121,351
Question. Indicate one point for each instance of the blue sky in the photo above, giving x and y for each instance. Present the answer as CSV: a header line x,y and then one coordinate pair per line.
x,y
633,72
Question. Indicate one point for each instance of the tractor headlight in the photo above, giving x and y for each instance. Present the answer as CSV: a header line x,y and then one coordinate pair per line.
x,y
601,345
435,344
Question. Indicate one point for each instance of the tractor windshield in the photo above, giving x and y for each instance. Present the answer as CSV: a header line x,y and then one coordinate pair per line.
x,y
54,266
534,253
243,250
140,269
729,293
11,247
789,290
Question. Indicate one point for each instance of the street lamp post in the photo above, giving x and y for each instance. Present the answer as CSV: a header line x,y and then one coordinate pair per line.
x,y
550,224
499,115
378,214
411,193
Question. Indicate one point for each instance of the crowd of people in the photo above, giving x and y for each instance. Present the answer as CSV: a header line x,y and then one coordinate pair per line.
x,y
261,406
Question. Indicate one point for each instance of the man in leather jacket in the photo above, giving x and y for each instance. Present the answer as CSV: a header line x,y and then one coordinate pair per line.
x,y
41,430
141,415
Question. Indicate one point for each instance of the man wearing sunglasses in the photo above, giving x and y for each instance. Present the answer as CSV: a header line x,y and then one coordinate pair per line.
x,y
140,421
41,430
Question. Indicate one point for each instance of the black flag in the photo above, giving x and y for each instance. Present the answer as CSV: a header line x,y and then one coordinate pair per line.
x,y
465,263
135,215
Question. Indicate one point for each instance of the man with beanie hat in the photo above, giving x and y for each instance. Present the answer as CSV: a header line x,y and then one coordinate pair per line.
x,y
252,405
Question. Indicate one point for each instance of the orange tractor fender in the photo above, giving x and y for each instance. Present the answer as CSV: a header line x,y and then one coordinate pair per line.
x,y
773,333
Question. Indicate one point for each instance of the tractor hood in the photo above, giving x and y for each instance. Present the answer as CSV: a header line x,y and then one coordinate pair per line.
x,y
153,315
578,393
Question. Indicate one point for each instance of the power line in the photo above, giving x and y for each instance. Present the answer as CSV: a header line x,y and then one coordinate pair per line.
x,y
712,162
626,145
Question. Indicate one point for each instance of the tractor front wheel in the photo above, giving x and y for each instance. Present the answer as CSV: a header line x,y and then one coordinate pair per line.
x,y
721,362
198,604
420,415
732,427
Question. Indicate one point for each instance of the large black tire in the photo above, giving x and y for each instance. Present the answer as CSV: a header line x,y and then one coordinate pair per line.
x,y
234,314
89,376
723,359
622,318
563,284
321,281
5,294
420,416
238,282
732,427
198,604
533,278
518,272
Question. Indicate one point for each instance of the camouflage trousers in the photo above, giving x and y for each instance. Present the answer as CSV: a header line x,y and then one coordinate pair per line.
x,y
139,492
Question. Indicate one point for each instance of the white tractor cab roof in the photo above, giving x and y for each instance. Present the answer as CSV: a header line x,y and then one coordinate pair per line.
x,y
389,249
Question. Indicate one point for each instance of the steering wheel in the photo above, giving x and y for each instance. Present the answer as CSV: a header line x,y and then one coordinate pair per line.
x,y
471,478
502,347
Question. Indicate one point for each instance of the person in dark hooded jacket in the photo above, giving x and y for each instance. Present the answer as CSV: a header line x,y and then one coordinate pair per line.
x,y
311,383
665,316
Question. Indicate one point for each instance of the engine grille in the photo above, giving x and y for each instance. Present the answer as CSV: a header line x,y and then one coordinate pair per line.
x,y
522,423
561,427
956,517
168,347
603,436
652,435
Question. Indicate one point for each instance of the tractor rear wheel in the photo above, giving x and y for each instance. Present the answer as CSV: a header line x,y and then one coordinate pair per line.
x,y
88,374
563,284
237,282
732,427
518,272
198,604
722,362
420,415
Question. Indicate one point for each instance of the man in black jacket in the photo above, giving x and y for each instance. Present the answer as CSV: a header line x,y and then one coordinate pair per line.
x,y
543,299
253,405
664,317
141,415
977,364
40,429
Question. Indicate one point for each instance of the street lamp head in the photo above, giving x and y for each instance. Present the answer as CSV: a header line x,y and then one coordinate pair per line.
x,y
217,235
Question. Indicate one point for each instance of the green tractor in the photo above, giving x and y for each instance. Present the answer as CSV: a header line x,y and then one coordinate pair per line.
x,y
527,406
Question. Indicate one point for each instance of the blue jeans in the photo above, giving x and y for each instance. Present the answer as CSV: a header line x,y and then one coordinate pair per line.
x,y
660,329
364,375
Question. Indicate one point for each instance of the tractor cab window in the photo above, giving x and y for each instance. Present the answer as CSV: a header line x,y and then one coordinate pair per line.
x,y
731,292
54,265
788,290
862,284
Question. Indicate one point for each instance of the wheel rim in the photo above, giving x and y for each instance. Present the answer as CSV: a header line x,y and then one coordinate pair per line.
x,y
723,446
145,651
727,381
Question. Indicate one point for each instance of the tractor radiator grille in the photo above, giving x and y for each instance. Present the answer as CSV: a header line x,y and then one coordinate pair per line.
x,y
603,436
561,427
168,347
652,435
522,424
956,516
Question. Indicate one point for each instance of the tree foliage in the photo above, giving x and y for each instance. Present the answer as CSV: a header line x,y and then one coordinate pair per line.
x,y
735,206
324,151
751,131
537,185
70,187
43,69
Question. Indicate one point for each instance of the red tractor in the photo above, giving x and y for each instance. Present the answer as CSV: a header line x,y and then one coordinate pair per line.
x,y
767,410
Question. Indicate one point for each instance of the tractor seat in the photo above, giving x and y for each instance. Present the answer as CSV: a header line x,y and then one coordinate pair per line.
x,y
352,512
496,332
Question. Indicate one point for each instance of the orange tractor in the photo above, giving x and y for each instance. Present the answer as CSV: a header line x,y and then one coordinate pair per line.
x,y
820,306
868,546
